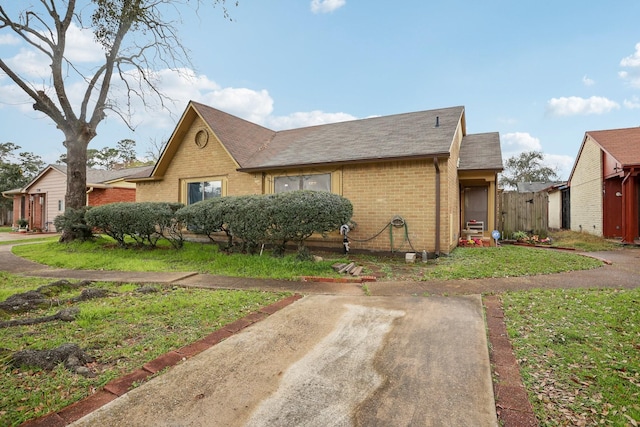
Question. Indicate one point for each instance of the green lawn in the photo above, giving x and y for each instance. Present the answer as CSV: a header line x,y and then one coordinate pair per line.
x,y
122,332
579,352
578,349
462,263
103,254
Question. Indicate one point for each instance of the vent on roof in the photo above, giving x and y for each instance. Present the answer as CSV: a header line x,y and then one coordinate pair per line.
x,y
437,121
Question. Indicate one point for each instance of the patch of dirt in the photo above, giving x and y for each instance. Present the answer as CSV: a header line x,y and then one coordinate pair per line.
x,y
26,301
71,355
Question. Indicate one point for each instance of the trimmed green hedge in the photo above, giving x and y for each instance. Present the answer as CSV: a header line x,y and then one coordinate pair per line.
x,y
275,219
146,222
249,221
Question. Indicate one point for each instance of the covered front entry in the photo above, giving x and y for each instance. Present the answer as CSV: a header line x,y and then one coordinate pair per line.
x,y
32,209
477,205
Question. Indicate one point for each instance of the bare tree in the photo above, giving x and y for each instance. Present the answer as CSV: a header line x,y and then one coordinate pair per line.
x,y
156,147
135,35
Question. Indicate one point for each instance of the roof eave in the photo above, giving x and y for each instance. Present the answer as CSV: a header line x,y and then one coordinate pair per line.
x,y
342,162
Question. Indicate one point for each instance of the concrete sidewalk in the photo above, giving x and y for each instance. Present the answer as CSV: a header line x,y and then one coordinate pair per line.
x,y
329,361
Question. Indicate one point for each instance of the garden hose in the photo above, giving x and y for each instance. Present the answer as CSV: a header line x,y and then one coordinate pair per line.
x,y
397,222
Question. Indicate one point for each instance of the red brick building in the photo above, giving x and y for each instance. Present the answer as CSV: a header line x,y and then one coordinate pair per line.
x,y
40,201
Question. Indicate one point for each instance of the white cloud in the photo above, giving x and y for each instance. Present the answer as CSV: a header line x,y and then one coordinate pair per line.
x,y
574,105
632,103
31,64
253,105
561,163
9,39
81,46
12,96
517,142
587,81
633,63
304,119
326,6
632,60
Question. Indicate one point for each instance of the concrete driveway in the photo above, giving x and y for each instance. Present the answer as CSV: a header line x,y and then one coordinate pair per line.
x,y
330,361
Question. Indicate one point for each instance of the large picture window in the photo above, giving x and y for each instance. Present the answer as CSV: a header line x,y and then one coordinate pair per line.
x,y
318,182
197,191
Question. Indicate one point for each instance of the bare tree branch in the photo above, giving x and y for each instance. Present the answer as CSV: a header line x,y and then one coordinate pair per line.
x,y
137,37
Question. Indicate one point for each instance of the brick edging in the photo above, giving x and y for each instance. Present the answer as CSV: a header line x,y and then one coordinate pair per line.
x,y
512,402
116,388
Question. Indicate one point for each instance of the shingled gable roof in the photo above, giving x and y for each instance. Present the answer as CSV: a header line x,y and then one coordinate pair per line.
x,y
621,144
239,138
481,152
95,177
400,136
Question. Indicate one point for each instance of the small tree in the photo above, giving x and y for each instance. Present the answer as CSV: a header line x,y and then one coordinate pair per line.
x,y
526,167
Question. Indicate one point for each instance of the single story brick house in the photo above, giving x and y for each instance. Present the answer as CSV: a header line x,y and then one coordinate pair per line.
x,y
42,199
605,184
415,180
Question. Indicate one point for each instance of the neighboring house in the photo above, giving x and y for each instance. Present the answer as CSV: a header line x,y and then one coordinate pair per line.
x,y
605,185
42,199
421,167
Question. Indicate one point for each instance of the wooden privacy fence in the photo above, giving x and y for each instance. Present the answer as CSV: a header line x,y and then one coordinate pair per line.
x,y
523,212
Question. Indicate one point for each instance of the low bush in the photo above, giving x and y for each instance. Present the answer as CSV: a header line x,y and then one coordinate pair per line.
x,y
73,225
145,222
249,219
276,219
208,217
300,214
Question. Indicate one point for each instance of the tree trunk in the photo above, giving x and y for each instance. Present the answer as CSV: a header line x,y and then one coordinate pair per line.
x,y
76,196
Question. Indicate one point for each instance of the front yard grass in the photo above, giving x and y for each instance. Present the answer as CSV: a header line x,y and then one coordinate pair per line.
x,y
579,354
122,332
103,254
462,263
507,261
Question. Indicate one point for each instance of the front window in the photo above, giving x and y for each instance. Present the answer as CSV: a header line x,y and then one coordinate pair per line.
x,y
197,191
319,182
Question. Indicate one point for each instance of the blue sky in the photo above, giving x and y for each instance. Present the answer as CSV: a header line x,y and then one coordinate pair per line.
x,y
539,73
